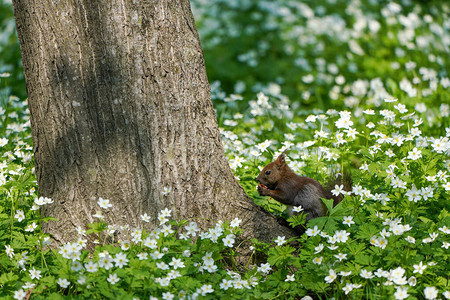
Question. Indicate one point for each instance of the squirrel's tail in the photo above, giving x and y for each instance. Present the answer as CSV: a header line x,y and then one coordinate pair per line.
x,y
339,179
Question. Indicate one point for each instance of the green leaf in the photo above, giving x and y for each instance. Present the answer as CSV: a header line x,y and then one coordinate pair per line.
x,y
362,259
48,219
8,277
279,256
328,203
55,296
355,248
47,281
444,214
425,220
319,222
340,210
97,227
374,168
297,220
330,226
366,231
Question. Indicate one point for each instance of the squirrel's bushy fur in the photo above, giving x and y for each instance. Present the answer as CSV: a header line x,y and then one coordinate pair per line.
x,y
278,181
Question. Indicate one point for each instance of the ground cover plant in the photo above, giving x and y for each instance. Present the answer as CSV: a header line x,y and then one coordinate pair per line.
x,y
384,117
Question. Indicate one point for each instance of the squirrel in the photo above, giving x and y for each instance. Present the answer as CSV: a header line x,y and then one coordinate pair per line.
x,y
278,181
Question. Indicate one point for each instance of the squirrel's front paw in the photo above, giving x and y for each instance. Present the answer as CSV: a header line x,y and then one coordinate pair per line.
x,y
263,190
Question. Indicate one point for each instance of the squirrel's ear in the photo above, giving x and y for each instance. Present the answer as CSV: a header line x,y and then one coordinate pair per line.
x,y
281,158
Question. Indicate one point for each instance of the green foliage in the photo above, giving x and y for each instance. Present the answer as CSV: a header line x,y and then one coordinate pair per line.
x,y
376,76
11,70
302,47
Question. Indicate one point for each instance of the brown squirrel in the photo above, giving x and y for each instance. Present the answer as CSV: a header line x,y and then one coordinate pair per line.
x,y
278,181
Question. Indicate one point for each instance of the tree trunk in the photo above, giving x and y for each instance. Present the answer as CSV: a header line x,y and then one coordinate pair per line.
x,y
120,109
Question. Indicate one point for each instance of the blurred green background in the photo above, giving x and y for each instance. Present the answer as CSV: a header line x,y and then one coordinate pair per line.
x,y
310,51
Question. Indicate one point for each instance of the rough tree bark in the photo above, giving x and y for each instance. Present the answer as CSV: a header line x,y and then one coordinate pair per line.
x,y
120,109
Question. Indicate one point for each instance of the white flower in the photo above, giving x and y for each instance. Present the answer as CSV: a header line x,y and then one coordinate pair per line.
x,y
390,99
235,223
35,274
173,274
31,227
91,267
447,186
440,145
28,285
82,280
410,239
209,266
347,288
177,263
229,240
401,293
186,253
290,278
397,276
318,260
145,218
98,215
125,245
105,261
64,283
412,281
427,192
121,260
104,203
20,215
430,292
419,268
344,273
166,295
366,274
151,243
341,236
297,208
206,289
167,229
192,229
338,189
264,268
348,221
226,284
318,249
312,231
166,191
113,279
76,266
344,123
341,256
166,212
311,119
9,251
20,294
401,108
414,154
142,255
162,266
280,240
331,276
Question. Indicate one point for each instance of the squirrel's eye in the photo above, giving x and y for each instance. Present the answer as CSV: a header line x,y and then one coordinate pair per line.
x,y
268,172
